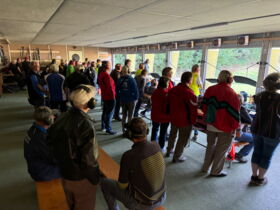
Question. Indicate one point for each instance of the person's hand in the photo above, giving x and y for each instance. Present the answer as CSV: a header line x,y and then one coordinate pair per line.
x,y
200,112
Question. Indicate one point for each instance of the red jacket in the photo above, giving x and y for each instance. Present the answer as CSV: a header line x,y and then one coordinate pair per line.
x,y
221,107
170,86
159,106
107,86
183,106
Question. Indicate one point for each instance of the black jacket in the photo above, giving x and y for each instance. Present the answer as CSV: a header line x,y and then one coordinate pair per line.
x,y
40,162
76,79
244,115
72,139
267,120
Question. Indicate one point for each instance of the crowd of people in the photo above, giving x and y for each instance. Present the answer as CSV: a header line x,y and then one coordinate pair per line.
x,y
67,147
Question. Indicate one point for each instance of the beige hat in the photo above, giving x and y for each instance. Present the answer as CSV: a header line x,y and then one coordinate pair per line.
x,y
81,96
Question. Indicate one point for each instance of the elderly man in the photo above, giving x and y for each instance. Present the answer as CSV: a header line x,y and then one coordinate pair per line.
x,y
36,90
72,138
40,162
55,82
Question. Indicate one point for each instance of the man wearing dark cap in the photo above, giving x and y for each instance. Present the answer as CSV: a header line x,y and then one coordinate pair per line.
x,y
141,184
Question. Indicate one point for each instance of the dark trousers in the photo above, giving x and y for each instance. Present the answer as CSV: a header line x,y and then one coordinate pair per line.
x,y
112,193
162,134
107,114
127,112
137,107
61,105
117,108
263,151
80,194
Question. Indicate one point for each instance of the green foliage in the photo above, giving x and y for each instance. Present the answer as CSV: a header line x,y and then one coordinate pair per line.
x,y
187,59
160,62
119,58
138,60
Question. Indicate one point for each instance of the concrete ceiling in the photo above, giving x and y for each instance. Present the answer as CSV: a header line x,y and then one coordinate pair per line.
x,y
117,23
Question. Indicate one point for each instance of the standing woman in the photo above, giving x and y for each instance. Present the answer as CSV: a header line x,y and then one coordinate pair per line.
x,y
127,92
159,114
108,96
265,128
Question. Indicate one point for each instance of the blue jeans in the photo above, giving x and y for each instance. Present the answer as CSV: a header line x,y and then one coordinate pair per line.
x,y
162,135
263,151
112,193
245,137
107,114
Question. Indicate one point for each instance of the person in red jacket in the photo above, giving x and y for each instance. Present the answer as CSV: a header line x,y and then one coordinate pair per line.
x,y
159,114
183,113
168,72
221,107
108,95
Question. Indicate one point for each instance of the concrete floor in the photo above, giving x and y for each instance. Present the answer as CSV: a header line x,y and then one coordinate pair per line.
x,y
186,189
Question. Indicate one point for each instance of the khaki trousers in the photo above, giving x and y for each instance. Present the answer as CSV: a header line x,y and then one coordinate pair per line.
x,y
80,194
184,136
218,143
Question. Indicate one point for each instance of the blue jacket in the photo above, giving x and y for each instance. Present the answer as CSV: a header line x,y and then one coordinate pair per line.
x,y
40,162
127,89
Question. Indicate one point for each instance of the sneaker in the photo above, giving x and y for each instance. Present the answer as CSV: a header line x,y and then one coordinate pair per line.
x,y
221,174
111,132
103,129
194,138
254,180
179,160
240,159
261,182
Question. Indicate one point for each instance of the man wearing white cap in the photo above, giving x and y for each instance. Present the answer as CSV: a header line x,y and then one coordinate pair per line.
x,y
72,138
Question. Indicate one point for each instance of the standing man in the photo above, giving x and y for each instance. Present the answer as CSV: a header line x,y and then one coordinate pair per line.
x,y
221,107
141,184
141,82
116,74
72,139
35,88
127,66
183,113
108,96
146,64
168,72
55,82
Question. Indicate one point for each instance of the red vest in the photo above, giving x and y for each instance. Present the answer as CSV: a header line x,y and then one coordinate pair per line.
x,y
107,86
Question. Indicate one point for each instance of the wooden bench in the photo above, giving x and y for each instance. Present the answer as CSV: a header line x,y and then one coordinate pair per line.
x,y
51,195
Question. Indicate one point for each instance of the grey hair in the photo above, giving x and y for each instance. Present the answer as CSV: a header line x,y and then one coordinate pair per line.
x,y
42,114
54,68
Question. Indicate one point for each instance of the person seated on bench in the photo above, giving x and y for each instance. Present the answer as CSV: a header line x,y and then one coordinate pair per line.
x,y
18,75
72,139
35,86
41,164
246,119
141,184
